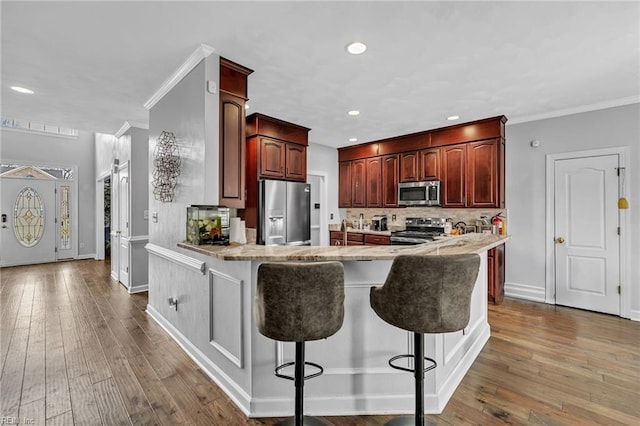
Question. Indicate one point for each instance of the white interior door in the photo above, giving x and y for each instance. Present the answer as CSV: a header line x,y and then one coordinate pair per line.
x,y
587,250
28,224
123,213
115,228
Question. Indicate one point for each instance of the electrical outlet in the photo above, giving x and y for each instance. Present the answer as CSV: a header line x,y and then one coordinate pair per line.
x,y
331,216
81,245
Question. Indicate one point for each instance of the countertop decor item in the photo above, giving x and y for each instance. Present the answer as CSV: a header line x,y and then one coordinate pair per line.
x,y
166,167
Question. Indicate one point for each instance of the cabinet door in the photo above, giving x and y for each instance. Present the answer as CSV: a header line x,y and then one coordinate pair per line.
x,y
272,154
358,185
482,174
495,270
453,176
232,151
430,164
390,181
374,182
296,162
344,184
409,166
376,240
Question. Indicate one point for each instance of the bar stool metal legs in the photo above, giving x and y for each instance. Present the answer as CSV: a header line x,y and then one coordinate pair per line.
x,y
418,374
299,419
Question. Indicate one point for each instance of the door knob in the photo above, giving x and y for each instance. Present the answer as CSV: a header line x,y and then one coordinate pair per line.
x,y
559,240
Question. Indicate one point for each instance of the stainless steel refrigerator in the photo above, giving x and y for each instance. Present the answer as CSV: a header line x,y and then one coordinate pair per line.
x,y
284,210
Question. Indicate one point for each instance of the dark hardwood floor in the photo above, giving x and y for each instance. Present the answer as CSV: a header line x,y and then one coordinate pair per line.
x,y
75,348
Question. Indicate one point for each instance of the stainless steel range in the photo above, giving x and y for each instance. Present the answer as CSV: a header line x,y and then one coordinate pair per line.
x,y
418,230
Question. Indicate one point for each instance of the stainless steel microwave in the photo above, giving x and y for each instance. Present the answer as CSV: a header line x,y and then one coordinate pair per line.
x,y
425,193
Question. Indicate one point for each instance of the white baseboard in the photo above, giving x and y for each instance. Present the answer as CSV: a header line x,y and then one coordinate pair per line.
x,y
524,291
138,288
86,256
634,315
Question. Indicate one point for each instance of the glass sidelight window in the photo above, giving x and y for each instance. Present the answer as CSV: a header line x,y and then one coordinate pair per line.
x,y
28,214
65,218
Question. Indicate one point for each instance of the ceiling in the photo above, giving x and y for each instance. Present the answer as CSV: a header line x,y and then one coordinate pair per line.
x,y
93,65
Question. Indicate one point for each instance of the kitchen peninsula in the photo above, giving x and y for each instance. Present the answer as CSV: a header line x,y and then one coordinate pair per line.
x,y
212,320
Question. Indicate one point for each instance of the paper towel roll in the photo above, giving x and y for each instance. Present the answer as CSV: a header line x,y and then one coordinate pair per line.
x,y
236,230
243,233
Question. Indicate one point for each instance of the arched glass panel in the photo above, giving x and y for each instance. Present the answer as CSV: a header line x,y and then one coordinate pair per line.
x,y
28,215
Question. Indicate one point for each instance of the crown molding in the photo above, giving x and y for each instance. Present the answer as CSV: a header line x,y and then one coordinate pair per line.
x,y
127,125
576,110
198,55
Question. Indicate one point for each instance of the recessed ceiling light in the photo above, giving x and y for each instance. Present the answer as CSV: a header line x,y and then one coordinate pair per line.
x,y
22,90
354,112
353,139
356,48
453,117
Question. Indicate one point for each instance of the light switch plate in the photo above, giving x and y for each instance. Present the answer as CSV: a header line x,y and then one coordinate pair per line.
x,y
154,217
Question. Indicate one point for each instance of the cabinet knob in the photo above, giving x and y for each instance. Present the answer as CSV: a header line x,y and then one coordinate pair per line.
x,y
559,240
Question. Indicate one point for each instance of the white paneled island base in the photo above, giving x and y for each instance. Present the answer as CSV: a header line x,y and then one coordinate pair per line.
x,y
213,323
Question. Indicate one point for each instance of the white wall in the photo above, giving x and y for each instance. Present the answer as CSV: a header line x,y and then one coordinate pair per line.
x,y
191,113
54,150
322,158
526,186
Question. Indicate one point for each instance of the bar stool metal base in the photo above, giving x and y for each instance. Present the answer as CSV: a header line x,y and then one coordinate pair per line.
x,y
418,371
306,421
408,421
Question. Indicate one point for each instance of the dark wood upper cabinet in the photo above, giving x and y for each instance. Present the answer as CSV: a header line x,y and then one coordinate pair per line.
x,y
282,149
358,183
233,96
373,180
272,158
344,184
453,189
482,174
390,181
468,158
471,174
295,162
232,150
276,149
430,164
409,166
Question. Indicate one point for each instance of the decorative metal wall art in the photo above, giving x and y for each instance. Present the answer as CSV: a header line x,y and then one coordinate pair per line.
x,y
166,162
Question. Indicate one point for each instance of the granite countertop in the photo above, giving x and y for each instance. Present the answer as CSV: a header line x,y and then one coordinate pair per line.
x,y
468,243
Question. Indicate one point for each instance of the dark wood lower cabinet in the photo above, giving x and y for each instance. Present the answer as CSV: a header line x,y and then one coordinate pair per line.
x,y
336,238
376,240
495,267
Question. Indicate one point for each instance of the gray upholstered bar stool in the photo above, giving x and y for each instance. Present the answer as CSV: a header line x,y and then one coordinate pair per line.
x,y
425,294
299,302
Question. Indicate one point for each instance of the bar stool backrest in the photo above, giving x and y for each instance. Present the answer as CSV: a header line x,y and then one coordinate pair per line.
x,y
297,302
427,294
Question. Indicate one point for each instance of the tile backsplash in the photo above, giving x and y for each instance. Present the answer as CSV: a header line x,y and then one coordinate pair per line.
x,y
469,216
